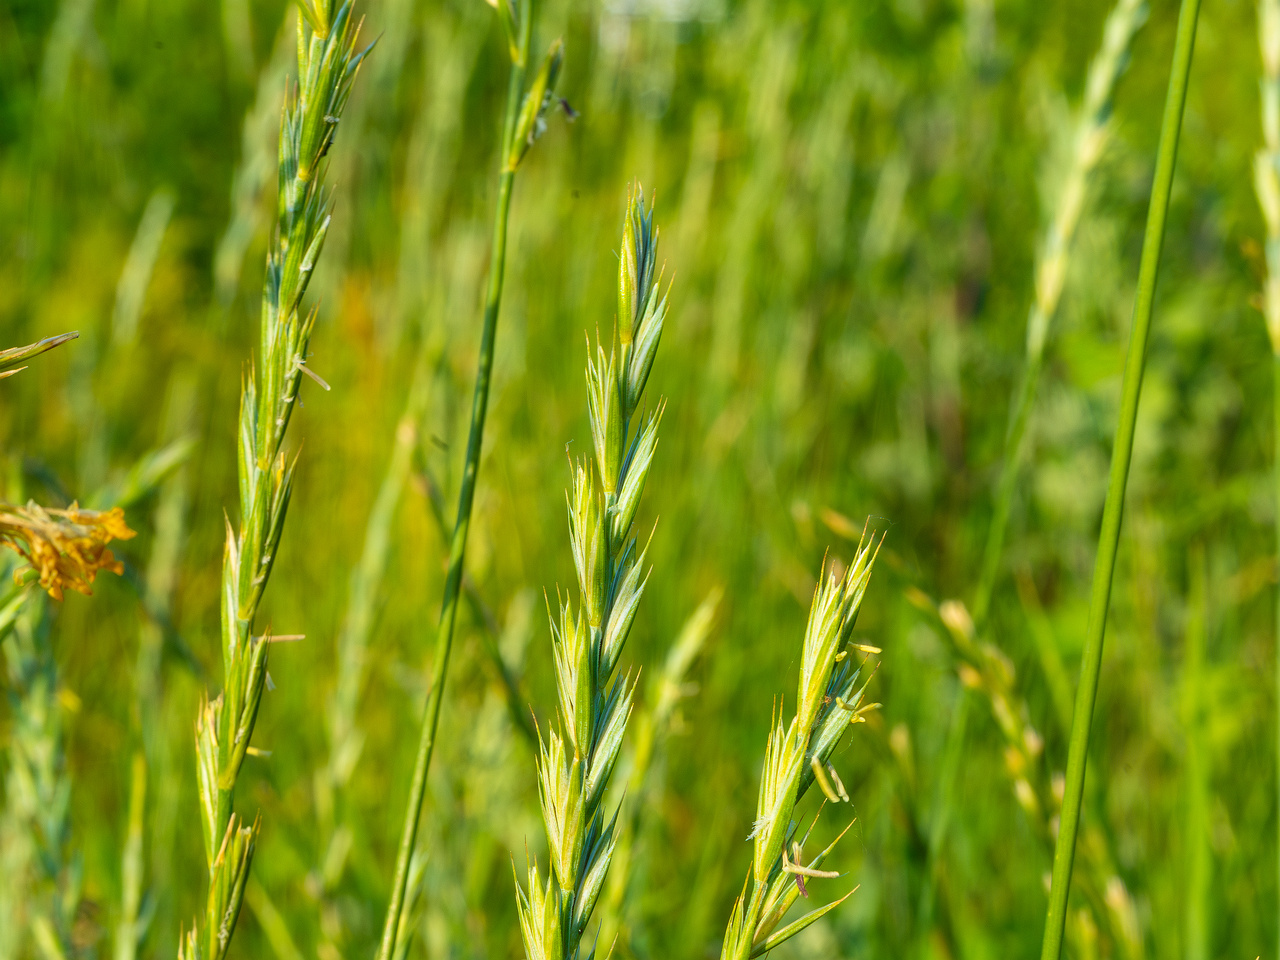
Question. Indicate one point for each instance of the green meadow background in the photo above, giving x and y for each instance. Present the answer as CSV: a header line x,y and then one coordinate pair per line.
x,y
850,198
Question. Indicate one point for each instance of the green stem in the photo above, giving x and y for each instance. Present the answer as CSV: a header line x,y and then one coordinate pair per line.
x,y
1109,535
466,496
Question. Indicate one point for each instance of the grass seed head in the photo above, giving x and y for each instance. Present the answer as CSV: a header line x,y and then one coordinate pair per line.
x,y
575,769
797,754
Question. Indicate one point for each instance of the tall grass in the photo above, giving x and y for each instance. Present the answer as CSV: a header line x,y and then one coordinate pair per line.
x,y
576,762
523,121
1121,454
854,198
328,60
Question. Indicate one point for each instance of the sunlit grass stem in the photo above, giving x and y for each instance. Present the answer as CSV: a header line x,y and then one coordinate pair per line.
x,y
520,126
1121,454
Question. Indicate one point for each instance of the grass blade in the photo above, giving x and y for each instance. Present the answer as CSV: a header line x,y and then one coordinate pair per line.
x,y
1122,452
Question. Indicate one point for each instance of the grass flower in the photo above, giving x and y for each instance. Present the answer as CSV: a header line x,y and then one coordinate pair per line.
x,y
327,64
576,762
798,755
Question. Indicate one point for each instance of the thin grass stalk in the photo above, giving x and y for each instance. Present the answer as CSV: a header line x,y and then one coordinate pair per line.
x,y
518,709
1092,132
1266,169
522,123
576,763
1121,454
489,782
327,64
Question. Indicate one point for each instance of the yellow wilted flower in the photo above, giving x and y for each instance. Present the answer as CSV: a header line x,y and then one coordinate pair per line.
x,y
66,548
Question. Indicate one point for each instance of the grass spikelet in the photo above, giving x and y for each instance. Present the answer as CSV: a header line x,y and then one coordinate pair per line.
x,y
795,753
574,769
327,64
652,725
12,361
524,120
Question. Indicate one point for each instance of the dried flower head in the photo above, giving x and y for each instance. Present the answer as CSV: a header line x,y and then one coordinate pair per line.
x,y
66,548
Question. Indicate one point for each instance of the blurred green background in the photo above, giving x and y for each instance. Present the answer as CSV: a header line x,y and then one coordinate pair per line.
x,y
851,198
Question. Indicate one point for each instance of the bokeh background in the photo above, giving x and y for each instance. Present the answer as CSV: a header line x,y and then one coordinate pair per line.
x,y
851,197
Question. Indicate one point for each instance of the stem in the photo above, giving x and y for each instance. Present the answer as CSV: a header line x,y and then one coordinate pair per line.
x,y
1276,470
490,632
1092,131
458,544
1109,535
